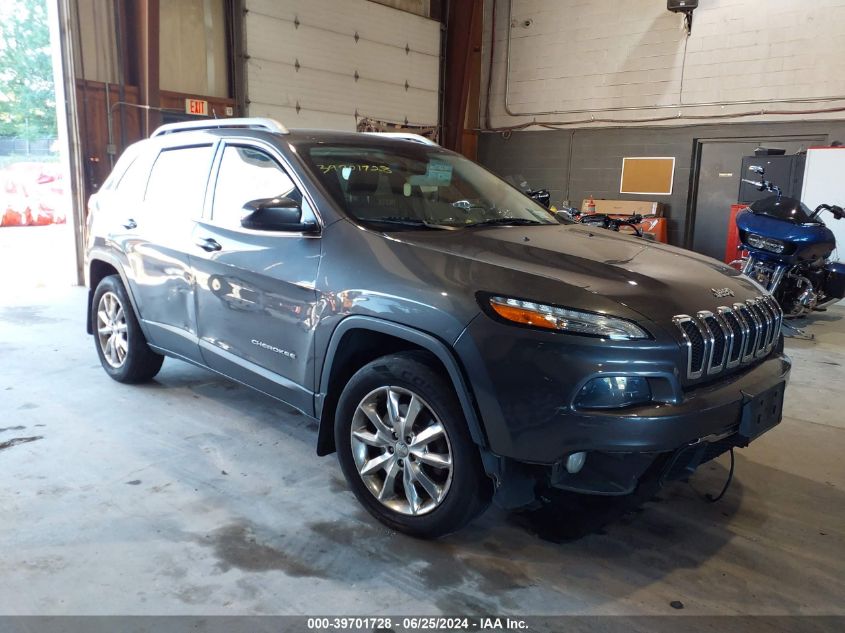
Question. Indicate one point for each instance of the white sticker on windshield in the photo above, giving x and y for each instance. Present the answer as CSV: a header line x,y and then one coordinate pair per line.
x,y
438,173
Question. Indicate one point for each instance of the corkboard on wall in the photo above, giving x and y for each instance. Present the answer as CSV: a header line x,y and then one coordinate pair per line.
x,y
652,176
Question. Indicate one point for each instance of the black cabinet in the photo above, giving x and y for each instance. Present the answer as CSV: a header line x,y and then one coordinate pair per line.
x,y
787,172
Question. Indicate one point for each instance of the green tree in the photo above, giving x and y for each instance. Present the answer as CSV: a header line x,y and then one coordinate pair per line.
x,y
27,99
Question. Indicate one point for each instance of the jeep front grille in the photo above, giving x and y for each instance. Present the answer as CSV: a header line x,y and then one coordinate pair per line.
x,y
730,336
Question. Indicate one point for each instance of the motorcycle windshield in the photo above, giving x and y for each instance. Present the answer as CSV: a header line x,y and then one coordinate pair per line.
x,y
787,209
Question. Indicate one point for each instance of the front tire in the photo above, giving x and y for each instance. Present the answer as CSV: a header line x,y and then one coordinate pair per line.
x,y
120,343
405,449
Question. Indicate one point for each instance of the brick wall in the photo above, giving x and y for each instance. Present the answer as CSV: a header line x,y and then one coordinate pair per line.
x,y
586,54
574,164
597,54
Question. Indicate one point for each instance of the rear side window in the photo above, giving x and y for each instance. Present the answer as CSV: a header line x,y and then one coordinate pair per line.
x,y
133,182
178,180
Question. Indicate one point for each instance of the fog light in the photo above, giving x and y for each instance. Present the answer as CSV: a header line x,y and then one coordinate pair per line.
x,y
575,462
610,392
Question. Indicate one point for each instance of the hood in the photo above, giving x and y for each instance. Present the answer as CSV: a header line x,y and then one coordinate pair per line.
x,y
655,280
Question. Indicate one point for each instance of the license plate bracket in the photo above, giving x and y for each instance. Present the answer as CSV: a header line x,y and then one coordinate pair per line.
x,y
761,413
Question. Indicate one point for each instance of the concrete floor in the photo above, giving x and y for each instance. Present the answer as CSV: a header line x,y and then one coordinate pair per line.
x,y
193,495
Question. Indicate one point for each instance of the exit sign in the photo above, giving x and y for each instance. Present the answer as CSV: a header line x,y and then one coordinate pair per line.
x,y
196,107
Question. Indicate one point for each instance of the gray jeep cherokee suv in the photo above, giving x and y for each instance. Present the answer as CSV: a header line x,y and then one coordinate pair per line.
x,y
455,342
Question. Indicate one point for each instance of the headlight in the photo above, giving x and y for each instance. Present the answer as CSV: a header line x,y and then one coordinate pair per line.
x,y
566,320
610,392
765,243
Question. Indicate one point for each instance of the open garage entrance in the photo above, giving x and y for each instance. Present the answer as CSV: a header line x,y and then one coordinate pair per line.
x,y
36,219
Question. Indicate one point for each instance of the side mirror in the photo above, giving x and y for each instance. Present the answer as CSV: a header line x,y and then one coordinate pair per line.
x,y
275,214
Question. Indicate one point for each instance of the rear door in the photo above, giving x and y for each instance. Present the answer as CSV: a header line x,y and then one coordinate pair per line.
x,y
255,290
162,238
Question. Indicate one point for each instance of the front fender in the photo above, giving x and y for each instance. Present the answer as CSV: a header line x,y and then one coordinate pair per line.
x,y
416,337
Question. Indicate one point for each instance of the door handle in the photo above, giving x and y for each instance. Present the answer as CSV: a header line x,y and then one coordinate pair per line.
x,y
130,224
208,244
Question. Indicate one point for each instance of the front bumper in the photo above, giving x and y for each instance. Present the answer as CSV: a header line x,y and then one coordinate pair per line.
x,y
524,387
710,411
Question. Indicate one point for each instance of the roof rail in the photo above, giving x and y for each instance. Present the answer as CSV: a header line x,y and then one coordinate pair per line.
x,y
406,136
251,123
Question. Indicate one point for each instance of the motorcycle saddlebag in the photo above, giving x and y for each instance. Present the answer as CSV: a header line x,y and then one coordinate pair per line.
x,y
835,286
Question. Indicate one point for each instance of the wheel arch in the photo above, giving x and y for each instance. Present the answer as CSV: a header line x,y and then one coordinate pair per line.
x,y
101,266
358,340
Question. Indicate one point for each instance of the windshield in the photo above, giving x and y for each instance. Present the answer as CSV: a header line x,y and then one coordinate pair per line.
x,y
788,209
419,186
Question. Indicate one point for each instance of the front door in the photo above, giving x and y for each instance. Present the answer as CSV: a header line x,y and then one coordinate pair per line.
x,y
256,297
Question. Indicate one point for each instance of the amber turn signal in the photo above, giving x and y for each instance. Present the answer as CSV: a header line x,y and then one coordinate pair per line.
x,y
526,317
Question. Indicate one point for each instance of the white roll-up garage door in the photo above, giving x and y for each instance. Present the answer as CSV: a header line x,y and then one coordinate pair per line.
x,y
318,63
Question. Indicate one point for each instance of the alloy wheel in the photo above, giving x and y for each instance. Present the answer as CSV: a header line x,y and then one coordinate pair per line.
x,y
111,330
401,450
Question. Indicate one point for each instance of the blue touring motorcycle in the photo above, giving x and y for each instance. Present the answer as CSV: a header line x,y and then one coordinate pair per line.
x,y
789,249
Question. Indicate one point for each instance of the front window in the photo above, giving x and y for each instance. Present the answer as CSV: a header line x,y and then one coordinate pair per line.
x,y
246,174
419,186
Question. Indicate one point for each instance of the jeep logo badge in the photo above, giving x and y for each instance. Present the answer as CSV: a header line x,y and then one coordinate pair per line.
x,y
722,292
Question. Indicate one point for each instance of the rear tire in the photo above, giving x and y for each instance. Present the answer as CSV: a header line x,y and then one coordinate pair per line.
x,y
405,449
120,343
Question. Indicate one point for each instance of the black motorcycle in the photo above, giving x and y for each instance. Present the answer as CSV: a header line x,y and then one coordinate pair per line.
x,y
540,195
604,221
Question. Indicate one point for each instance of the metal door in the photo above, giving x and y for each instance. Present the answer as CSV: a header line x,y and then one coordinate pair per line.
x,y
719,175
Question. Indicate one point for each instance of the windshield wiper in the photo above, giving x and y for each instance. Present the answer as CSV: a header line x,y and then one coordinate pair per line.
x,y
408,222
507,222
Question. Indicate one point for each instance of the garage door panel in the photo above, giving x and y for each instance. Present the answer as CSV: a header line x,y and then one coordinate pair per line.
x,y
276,41
371,21
311,118
316,89
305,119
393,83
